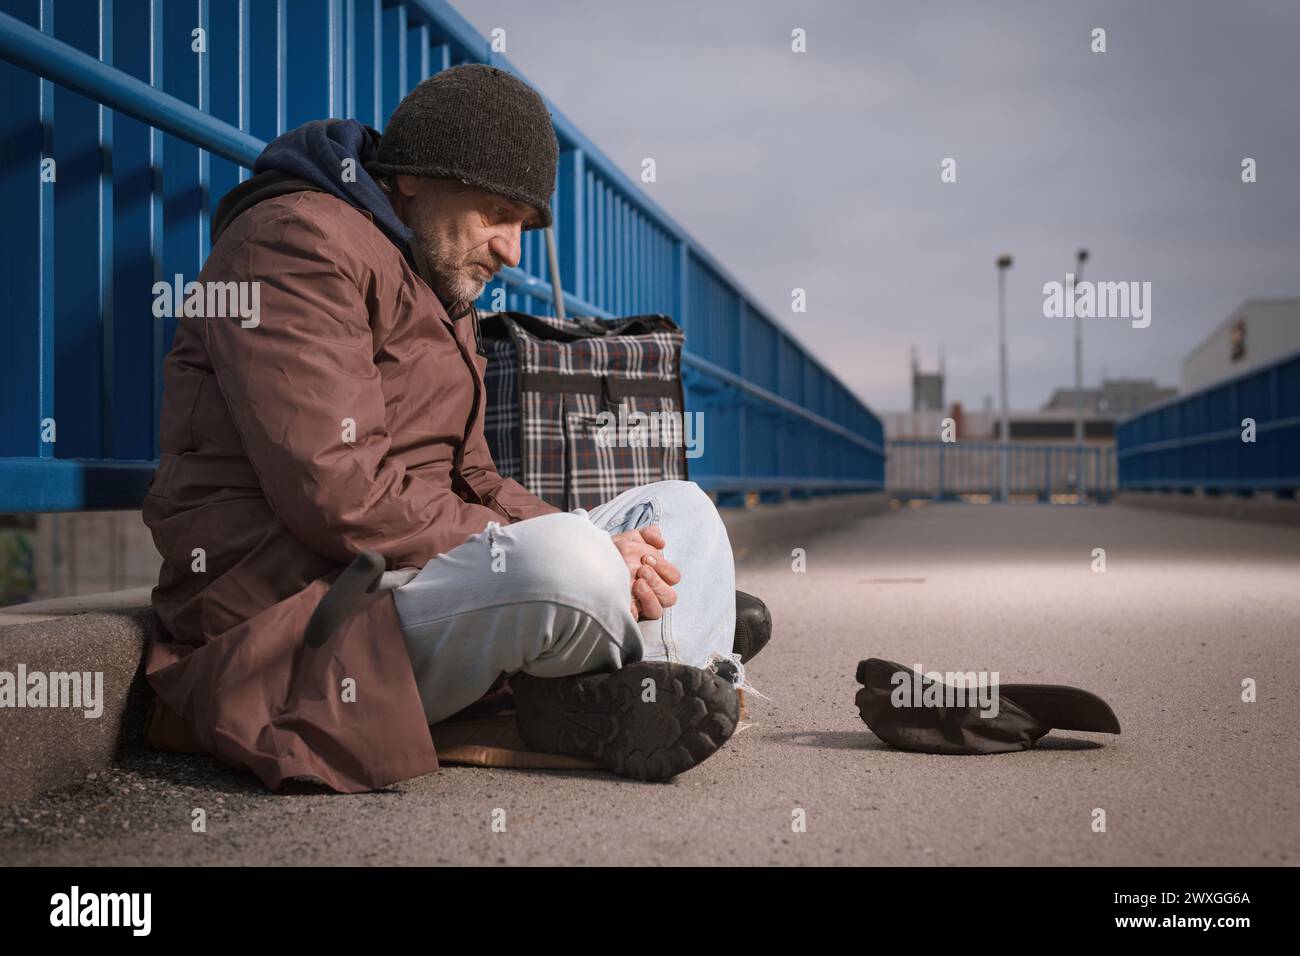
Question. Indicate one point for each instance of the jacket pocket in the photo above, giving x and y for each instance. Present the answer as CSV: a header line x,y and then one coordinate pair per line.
x,y
512,513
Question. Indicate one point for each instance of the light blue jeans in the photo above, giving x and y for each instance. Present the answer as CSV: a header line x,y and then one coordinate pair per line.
x,y
551,596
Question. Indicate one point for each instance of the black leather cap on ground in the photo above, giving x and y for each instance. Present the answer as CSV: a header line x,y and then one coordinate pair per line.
x,y
1026,712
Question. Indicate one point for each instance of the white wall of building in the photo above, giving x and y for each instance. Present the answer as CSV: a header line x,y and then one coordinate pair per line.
x,y
1272,331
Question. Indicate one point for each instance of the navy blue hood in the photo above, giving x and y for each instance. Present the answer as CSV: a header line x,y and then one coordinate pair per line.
x,y
311,157
315,151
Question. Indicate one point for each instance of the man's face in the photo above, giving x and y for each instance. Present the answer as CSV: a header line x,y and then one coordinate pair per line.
x,y
466,234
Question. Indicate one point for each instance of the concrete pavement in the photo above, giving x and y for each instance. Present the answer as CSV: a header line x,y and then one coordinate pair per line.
x,y
1187,608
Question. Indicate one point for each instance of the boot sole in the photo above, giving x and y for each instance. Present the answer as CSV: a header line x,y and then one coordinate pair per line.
x,y
603,717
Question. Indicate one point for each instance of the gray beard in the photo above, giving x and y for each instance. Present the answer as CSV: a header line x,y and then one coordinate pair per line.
x,y
453,282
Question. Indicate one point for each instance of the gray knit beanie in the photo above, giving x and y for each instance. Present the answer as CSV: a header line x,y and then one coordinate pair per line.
x,y
478,124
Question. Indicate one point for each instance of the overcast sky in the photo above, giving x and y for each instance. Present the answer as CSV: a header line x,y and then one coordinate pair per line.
x,y
822,170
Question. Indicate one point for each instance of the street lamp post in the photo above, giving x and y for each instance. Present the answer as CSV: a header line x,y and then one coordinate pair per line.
x,y
1004,263
1080,258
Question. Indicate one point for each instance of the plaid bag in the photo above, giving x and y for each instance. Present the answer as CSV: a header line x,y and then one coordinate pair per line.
x,y
580,410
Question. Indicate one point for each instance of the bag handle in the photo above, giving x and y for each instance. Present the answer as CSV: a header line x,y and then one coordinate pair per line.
x,y
589,325
582,326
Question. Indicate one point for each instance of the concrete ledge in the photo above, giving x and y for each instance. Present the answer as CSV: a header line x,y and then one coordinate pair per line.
x,y
46,747
49,746
58,608
1267,509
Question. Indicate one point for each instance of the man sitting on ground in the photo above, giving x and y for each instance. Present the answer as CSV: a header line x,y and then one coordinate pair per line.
x,y
349,416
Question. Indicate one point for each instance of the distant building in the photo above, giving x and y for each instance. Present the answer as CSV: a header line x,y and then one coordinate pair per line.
x,y
1102,408
1116,398
927,387
1258,332
1054,422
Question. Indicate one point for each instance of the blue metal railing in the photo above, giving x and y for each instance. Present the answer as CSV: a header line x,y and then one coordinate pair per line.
x,y
150,111
1047,471
1195,442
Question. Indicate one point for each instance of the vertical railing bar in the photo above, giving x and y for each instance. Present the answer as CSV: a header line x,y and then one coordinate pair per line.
x,y
616,254
377,64
634,245
341,60
744,344
620,243
665,275
629,211
682,291
244,80
104,199
205,158
642,265
670,276
607,248
588,247
744,364
657,271
333,59
281,78
649,279
596,278
602,244
46,346
402,28
156,150
597,234
633,261
650,238
577,241
1275,413
349,59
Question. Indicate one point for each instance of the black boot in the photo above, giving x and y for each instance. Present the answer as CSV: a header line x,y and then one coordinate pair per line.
x,y
753,626
607,717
